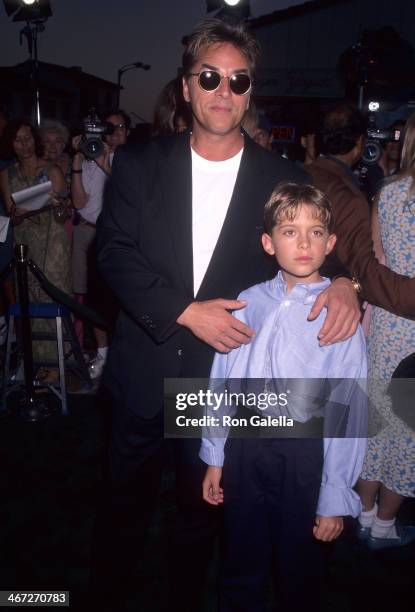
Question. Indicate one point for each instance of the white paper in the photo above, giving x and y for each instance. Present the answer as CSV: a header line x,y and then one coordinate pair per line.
x,y
33,198
4,226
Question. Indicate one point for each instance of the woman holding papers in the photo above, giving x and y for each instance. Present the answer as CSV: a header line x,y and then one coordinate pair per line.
x,y
45,236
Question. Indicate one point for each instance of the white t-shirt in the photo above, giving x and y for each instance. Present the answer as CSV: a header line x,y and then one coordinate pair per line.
x,y
212,187
93,181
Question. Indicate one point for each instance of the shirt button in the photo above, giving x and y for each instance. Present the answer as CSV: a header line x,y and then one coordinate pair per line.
x,y
286,303
180,352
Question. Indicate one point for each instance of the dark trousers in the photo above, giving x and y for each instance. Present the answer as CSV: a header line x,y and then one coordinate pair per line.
x,y
136,457
271,489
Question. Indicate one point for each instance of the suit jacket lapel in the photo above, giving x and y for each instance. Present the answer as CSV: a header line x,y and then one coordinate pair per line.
x,y
176,185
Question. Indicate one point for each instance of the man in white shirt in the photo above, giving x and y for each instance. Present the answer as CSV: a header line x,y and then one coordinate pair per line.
x,y
88,182
178,240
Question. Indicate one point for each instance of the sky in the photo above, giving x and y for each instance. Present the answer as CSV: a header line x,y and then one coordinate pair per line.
x,y
103,35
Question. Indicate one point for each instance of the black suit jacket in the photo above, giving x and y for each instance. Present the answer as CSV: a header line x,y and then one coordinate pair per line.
x,y
145,255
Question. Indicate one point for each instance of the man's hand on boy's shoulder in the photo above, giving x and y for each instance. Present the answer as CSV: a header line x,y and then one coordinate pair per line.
x,y
212,322
327,528
212,491
343,312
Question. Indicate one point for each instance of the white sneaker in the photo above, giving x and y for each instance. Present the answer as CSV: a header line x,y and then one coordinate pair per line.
x,y
96,367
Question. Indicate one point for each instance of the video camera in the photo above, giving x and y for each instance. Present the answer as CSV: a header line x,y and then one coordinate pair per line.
x,y
373,150
94,129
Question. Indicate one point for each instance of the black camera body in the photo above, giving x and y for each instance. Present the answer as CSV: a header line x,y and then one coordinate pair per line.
x,y
375,136
91,144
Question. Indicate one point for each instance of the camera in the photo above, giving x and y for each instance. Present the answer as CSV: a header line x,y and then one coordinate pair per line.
x,y
373,150
91,144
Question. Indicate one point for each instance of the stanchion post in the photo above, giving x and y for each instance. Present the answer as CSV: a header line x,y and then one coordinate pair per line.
x,y
23,291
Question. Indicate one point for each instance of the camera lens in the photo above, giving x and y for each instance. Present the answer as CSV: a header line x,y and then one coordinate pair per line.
x,y
372,152
91,146
94,148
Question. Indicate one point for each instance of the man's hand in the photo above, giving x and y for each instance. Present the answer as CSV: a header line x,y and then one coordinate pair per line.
x,y
343,312
212,492
327,528
211,322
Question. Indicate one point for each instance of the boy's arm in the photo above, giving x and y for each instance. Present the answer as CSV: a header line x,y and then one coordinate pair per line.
x,y
343,462
214,438
343,457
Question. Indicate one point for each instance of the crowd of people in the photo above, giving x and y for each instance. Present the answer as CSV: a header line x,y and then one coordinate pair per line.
x,y
195,225
61,235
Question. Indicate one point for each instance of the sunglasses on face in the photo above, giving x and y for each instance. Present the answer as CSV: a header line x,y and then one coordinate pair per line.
x,y
209,80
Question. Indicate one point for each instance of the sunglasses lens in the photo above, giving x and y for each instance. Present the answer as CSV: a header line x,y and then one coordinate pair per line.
x,y
209,80
240,83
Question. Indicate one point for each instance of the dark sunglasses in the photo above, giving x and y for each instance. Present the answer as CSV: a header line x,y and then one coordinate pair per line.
x,y
209,80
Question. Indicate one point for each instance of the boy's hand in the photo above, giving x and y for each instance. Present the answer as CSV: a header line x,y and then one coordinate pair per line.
x,y
343,312
327,528
212,492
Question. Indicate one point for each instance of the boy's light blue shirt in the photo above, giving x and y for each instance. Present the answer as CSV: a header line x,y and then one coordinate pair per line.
x,y
286,346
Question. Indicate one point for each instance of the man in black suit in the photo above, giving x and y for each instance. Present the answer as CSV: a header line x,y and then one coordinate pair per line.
x,y
179,238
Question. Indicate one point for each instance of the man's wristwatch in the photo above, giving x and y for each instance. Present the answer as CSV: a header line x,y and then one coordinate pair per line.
x,y
356,285
74,171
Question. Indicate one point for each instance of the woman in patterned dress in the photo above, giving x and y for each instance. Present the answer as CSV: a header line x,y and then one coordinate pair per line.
x,y
45,236
388,475
54,137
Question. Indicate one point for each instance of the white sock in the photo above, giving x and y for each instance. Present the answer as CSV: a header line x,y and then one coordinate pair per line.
x,y
383,529
366,516
102,352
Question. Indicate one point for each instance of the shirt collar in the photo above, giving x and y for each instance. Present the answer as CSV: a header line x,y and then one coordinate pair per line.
x,y
305,293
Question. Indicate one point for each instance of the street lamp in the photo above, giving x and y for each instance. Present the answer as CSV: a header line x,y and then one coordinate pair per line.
x,y
35,13
28,10
236,9
125,69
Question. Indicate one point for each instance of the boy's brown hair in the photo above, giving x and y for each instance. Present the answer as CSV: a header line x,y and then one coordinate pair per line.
x,y
287,199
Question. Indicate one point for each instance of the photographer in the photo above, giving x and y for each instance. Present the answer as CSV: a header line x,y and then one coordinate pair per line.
x,y
87,187
388,164
341,142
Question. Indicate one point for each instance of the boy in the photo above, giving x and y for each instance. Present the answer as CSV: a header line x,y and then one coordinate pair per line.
x,y
279,493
